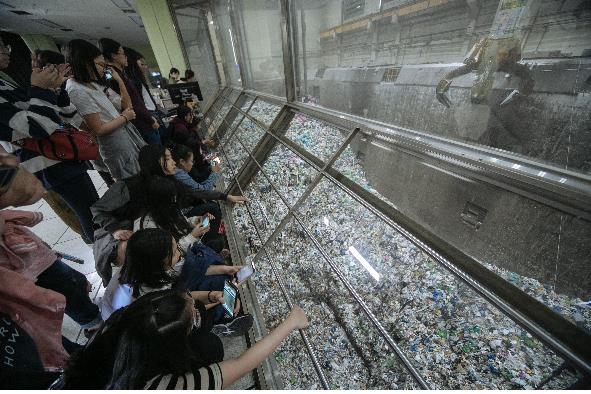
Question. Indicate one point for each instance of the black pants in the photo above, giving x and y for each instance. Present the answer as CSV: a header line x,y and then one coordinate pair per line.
x,y
107,178
207,347
72,284
80,194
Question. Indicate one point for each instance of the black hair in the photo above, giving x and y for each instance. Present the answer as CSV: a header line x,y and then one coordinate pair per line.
x,y
133,71
109,47
137,343
146,252
182,111
189,74
173,70
81,54
180,152
163,206
149,158
46,57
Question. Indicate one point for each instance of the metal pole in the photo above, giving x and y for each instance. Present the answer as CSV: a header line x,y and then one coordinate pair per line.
x,y
288,67
283,289
411,369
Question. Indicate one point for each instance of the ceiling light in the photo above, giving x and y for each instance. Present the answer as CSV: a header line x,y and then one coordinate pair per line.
x,y
20,12
48,23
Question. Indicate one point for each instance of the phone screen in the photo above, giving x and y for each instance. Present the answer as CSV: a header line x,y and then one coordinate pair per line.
x,y
108,75
244,273
205,222
229,298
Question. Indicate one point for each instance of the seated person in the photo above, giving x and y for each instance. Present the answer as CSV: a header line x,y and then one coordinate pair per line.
x,y
146,346
203,268
149,265
182,130
162,210
184,158
125,201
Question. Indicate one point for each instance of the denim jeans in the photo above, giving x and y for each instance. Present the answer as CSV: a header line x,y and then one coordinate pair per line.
x,y
72,284
79,193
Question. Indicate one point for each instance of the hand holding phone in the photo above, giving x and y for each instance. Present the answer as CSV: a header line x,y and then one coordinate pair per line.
x,y
205,221
244,273
230,298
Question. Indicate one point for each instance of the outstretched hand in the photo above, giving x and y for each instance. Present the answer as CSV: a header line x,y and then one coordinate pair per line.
x,y
46,78
298,318
237,199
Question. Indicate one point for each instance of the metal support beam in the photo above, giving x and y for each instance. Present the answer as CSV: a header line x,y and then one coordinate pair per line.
x,y
284,292
565,338
288,58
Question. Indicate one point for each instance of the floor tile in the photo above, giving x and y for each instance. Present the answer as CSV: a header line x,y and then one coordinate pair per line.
x,y
32,207
50,230
77,247
72,330
97,284
46,210
67,236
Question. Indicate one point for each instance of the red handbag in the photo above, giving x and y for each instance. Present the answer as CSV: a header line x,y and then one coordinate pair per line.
x,y
64,144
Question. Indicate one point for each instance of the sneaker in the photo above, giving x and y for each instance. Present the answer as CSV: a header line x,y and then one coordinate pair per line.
x,y
235,328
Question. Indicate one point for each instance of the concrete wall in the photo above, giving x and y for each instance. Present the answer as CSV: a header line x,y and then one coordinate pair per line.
x,y
517,234
552,124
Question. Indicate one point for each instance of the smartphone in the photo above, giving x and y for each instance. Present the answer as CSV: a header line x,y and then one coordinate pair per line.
x,y
205,222
230,298
244,273
108,75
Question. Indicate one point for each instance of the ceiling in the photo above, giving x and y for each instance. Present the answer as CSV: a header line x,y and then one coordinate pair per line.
x,y
88,19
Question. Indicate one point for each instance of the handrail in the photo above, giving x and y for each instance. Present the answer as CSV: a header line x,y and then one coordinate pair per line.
x,y
551,328
291,211
282,287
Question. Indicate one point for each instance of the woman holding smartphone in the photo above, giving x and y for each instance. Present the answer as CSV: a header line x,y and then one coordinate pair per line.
x,y
106,113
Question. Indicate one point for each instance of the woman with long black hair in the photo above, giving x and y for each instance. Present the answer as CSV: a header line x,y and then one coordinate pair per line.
x,y
126,200
106,113
147,346
136,72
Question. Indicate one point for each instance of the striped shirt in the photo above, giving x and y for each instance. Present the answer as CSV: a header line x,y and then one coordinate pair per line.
x,y
34,113
205,378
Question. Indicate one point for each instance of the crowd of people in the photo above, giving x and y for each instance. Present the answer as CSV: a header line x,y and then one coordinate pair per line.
x,y
156,233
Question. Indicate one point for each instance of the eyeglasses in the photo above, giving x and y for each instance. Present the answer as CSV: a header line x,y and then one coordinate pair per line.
x,y
7,50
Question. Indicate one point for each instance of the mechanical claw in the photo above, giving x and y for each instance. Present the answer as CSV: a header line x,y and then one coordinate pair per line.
x,y
510,97
442,88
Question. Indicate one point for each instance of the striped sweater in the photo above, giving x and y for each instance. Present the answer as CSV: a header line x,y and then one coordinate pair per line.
x,y
35,113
